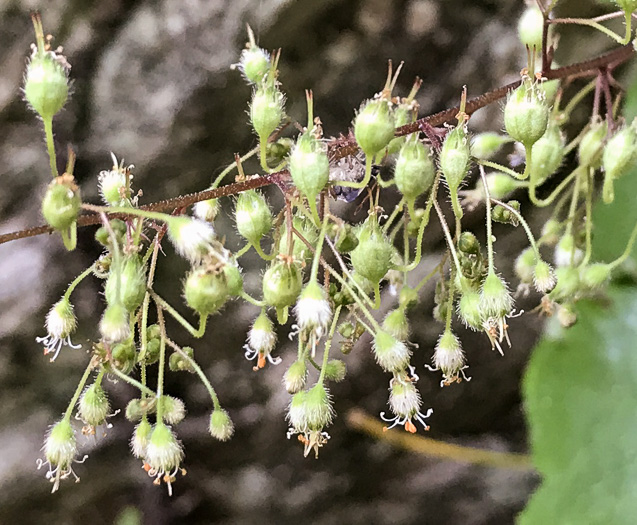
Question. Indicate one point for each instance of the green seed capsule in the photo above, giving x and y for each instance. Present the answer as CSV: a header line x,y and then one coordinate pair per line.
x,y
266,110
595,276
132,282
234,279
374,126
123,356
526,114
46,86
178,362
372,257
455,156
282,284
620,153
547,154
414,171
592,144
61,203
309,166
205,292
253,216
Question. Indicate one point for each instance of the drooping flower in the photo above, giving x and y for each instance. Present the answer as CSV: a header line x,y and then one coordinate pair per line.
x,y
163,456
261,342
405,403
60,325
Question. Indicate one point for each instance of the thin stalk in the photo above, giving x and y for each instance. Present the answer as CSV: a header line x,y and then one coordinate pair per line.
x,y
627,251
50,145
77,280
589,218
524,224
502,168
489,225
445,229
162,364
592,23
195,332
261,253
247,297
328,344
232,166
319,244
541,203
78,391
393,216
142,388
146,302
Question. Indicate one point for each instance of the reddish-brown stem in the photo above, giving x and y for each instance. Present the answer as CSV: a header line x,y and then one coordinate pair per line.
x,y
346,145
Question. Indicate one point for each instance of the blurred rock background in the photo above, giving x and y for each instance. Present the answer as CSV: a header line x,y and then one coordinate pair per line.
x,y
153,84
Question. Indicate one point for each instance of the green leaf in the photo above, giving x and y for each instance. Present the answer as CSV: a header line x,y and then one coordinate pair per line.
x,y
581,391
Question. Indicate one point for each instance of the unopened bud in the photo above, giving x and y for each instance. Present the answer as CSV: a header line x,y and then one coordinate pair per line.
x,y
253,216
526,113
374,126
114,325
61,203
221,426
372,257
282,284
205,292
390,353
455,156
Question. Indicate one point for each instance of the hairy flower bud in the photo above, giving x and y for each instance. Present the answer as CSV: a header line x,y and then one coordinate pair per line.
x,y
192,238
163,454
132,283
524,266
495,298
205,292
141,438
390,353
448,357
114,325
60,446
123,356
547,154
592,144
568,284
526,113
46,84
455,156
396,324
60,325
313,311
469,308
620,152
266,110
372,257
112,184
309,166
318,407
282,284
234,279
254,64
543,277
595,276
93,407
414,171
174,410
335,370
295,377
61,203
221,426
374,126
253,216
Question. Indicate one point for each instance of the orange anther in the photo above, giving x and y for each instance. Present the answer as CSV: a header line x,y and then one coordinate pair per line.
x,y
410,427
261,361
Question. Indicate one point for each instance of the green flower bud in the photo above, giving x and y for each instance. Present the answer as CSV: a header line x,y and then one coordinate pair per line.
x,y
396,324
592,144
495,299
206,211
60,446
174,410
93,407
318,407
504,215
525,266
153,331
282,284
136,409
335,370
141,438
448,357
46,85
371,259
620,153
61,203
414,171
178,362
205,292
234,279
114,325
531,27
568,284
455,156
309,166
221,426
266,110
254,64
485,145
374,126
390,353
526,114
595,276
468,243
132,282
123,356
547,154
295,377
102,234
253,216
543,277
112,184
551,232
469,309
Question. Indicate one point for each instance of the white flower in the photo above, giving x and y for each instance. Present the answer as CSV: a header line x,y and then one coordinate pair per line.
x,y
261,342
449,359
390,353
405,403
60,324
163,456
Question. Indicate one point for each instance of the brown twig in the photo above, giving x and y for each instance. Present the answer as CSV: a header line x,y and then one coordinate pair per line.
x,y
346,145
